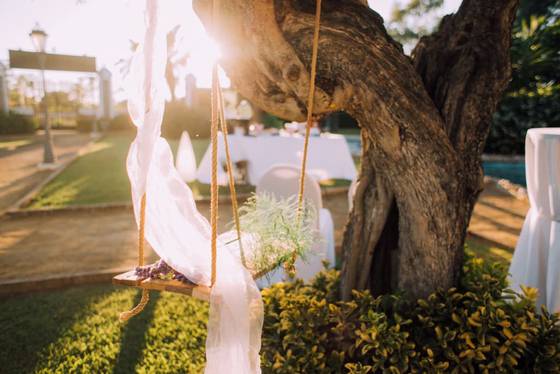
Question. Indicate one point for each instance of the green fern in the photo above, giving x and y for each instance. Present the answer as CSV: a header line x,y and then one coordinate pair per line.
x,y
278,229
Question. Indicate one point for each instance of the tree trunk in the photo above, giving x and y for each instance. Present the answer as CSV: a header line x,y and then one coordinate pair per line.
x,y
423,121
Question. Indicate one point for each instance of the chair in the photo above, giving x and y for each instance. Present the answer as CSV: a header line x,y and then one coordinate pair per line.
x,y
282,181
185,161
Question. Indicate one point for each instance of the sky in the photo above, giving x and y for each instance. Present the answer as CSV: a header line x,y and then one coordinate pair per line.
x,y
103,28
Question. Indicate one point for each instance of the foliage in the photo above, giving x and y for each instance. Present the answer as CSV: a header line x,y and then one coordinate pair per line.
x,y
121,122
478,327
176,60
14,124
533,96
178,118
279,231
271,121
85,124
410,21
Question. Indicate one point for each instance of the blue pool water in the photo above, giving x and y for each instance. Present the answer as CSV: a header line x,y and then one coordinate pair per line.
x,y
512,171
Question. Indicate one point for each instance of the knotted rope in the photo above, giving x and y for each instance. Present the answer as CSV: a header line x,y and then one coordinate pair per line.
x,y
125,316
310,101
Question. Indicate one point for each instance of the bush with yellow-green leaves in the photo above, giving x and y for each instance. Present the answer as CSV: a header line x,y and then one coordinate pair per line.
x,y
480,326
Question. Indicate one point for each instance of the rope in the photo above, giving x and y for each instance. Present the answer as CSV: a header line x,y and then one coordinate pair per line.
x,y
289,266
125,316
141,231
232,190
214,180
310,100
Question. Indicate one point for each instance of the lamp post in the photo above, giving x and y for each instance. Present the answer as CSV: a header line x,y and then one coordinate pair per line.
x,y
39,39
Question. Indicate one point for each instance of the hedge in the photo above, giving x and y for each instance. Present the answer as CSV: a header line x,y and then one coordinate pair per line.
x,y
16,124
480,326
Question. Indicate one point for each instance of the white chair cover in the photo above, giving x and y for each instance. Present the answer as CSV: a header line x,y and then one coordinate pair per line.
x,y
175,229
185,160
536,261
283,181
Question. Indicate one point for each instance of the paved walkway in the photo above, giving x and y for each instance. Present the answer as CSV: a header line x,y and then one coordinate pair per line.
x,y
498,218
20,155
88,241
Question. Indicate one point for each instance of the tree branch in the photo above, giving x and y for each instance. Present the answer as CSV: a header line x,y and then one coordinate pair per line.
x,y
465,67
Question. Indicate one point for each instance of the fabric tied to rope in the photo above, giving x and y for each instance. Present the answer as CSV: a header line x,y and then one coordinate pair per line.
x,y
175,229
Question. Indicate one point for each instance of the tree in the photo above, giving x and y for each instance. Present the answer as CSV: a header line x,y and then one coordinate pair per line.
x,y
423,120
409,22
533,97
175,59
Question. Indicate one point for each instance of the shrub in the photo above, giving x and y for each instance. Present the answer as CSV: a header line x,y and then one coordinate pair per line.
x,y
121,122
15,124
478,327
85,123
178,118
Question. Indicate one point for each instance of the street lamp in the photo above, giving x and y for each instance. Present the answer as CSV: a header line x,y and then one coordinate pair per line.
x,y
39,40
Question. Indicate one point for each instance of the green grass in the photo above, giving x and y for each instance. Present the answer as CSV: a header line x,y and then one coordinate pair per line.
x,y
12,145
489,251
100,176
77,330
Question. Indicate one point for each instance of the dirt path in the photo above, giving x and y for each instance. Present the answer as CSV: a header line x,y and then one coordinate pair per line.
x,y
18,167
86,241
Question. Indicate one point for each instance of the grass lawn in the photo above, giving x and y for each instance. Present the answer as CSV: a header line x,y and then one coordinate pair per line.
x,y
100,176
12,145
77,330
489,251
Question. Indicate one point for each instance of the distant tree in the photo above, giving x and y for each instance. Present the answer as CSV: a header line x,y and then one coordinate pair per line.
x,y
175,60
533,96
413,20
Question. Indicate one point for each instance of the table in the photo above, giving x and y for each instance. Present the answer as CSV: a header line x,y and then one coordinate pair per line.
x,y
329,156
536,261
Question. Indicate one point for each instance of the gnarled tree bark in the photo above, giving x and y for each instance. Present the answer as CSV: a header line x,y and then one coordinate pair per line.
x,y
423,121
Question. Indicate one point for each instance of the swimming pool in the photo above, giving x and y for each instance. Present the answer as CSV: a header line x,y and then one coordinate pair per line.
x,y
513,171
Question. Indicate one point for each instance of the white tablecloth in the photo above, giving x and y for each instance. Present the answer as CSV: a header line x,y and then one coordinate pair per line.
x,y
536,261
329,156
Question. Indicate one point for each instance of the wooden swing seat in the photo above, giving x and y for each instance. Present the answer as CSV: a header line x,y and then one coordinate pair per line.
x,y
171,285
188,288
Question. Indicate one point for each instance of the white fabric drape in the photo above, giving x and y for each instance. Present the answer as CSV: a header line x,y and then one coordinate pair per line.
x,y
536,261
185,160
175,229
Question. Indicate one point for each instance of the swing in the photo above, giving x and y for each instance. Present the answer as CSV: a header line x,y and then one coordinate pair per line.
x,y
186,287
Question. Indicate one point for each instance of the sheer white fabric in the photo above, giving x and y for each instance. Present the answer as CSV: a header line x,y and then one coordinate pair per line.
x,y
175,229
536,261
185,160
